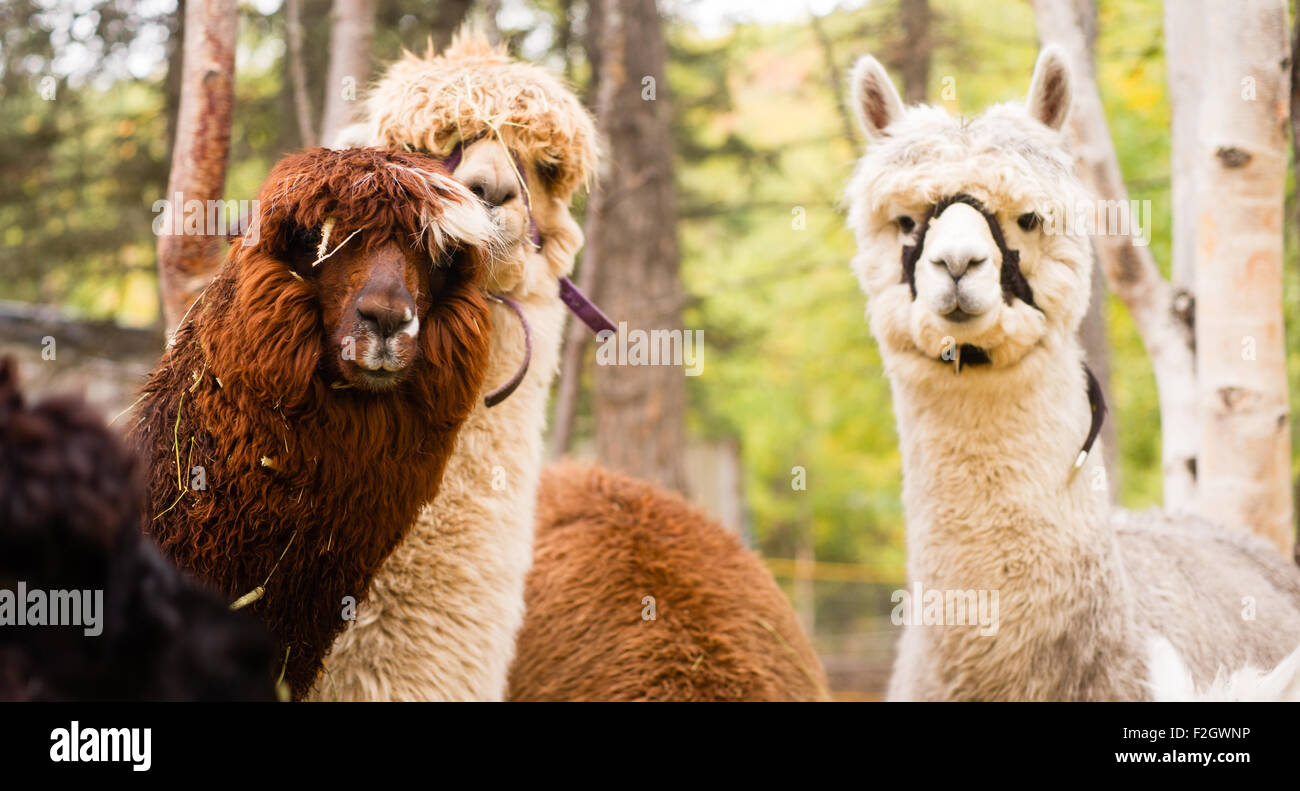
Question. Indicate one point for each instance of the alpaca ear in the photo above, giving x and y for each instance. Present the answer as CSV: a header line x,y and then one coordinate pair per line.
x,y
875,99
1050,91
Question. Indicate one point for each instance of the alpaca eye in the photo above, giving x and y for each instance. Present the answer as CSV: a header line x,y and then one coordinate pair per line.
x,y
548,172
305,239
1029,221
906,224
300,248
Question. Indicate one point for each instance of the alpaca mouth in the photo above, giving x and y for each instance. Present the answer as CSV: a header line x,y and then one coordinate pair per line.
x,y
959,316
379,369
381,379
511,229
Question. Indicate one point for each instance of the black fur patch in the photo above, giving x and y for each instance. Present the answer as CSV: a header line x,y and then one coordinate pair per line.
x,y
1013,280
973,355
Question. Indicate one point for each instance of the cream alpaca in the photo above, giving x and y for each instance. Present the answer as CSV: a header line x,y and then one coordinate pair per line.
x,y
999,280
443,611
1171,681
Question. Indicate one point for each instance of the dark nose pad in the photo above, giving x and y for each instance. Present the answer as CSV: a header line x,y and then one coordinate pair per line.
x,y
492,191
389,315
958,266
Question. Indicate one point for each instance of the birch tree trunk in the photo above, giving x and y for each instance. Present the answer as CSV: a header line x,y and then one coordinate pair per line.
x,y
351,30
1185,64
1241,162
640,409
1160,311
200,153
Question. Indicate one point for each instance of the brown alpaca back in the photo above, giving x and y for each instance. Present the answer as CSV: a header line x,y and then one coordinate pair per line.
x,y
723,630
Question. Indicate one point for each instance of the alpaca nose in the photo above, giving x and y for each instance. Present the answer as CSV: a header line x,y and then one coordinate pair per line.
x,y
492,190
959,263
390,314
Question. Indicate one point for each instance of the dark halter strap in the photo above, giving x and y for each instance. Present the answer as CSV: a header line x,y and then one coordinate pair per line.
x,y
1014,286
503,391
1097,402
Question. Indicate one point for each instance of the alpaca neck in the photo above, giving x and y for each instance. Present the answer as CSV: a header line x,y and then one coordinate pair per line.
x,y
993,504
989,440
444,608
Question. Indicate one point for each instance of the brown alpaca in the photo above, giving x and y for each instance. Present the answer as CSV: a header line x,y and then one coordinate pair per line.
x,y
607,545
313,395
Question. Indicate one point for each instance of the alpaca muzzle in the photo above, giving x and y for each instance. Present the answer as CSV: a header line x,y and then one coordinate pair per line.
x,y
1012,280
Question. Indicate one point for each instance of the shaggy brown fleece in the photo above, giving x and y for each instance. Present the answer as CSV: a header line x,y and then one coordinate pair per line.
x,y
70,520
309,486
723,630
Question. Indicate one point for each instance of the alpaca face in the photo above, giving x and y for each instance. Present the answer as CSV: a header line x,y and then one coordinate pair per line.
x,y
376,298
961,224
523,204
368,266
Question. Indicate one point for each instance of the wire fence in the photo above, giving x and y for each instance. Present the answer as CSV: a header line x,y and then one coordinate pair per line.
x,y
845,609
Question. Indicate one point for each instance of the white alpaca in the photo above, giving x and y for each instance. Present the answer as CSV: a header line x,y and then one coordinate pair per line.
x,y
976,286
1171,681
442,613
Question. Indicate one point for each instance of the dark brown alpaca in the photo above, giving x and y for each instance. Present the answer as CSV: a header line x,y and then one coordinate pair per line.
x,y
723,630
71,513
319,384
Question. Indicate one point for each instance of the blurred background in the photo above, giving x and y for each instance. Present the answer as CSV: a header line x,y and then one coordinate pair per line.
x,y
787,436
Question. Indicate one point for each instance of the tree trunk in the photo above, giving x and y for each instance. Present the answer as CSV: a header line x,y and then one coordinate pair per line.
x,y
200,153
639,408
1161,312
1093,330
1096,351
1295,158
594,38
1241,155
301,99
172,84
1185,48
491,9
564,35
351,30
449,16
575,343
916,18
